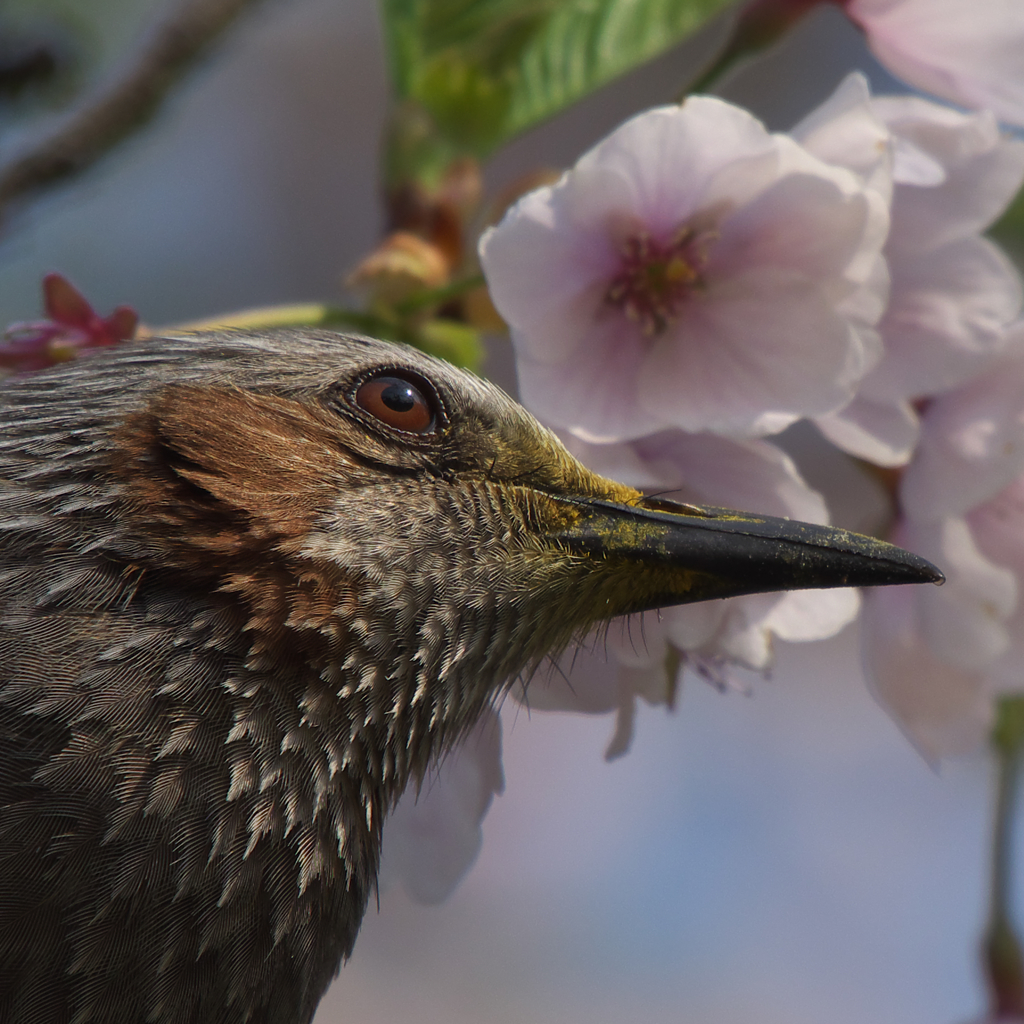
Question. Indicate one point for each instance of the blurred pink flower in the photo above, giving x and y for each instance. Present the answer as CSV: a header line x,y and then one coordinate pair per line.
x,y
943,709
972,444
433,835
953,293
936,660
692,271
937,657
969,53
72,325
711,636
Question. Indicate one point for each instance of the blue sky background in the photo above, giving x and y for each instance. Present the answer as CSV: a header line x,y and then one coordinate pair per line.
x,y
779,857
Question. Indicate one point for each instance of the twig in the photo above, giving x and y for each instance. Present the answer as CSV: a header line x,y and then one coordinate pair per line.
x,y
1002,960
121,105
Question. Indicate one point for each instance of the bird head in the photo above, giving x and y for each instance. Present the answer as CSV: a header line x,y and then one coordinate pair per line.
x,y
403,525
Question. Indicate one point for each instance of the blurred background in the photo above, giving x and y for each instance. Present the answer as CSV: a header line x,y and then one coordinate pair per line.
x,y
779,857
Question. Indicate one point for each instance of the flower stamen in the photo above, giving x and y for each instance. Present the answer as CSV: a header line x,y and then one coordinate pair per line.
x,y
655,278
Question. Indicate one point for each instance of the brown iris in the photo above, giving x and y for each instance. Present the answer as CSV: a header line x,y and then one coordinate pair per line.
x,y
398,403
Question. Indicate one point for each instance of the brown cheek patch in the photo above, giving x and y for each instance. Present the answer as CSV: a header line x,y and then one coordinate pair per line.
x,y
215,472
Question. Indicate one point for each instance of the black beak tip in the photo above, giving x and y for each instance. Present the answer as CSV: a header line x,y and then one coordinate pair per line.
x,y
931,574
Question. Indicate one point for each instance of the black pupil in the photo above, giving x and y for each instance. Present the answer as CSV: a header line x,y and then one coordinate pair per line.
x,y
399,397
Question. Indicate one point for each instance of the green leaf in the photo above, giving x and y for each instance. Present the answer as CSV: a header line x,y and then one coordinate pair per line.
x,y
1008,231
449,339
1008,731
484,70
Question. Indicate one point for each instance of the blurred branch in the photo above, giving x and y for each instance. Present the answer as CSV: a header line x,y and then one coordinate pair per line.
x,y
759,25
24,66
438,296
457,342
118,107
1001,950
306,314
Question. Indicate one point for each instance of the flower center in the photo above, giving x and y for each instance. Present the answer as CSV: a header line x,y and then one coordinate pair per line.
x,y
654,278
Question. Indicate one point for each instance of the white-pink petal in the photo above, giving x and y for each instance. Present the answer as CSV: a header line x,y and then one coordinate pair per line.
x,y
947,318
963,622
637,171
433,835
972,442
760,350
884,433
970,53
975,171
953,294
943,710
803,615
804,223
846,131
939,657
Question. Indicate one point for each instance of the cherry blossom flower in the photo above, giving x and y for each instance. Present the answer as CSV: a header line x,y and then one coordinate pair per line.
x,y
953,293
664,320
692,271
433,835
72,325
969,53
708,638
942,694
938,658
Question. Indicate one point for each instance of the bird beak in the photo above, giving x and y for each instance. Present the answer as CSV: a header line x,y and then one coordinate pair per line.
x,y
693,553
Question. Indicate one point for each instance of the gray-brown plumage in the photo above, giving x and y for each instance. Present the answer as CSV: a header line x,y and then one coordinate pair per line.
x,y
249,586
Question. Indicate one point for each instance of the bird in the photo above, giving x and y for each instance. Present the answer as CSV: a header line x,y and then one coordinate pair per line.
x,y
251,585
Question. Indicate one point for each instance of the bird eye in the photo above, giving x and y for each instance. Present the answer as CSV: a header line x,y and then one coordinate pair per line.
x,y
397,402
